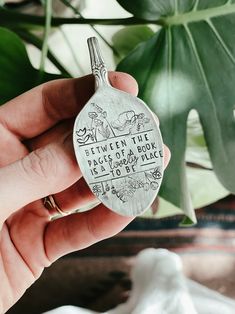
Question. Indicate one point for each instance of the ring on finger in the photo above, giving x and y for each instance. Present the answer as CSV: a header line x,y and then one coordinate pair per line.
x,y
50,204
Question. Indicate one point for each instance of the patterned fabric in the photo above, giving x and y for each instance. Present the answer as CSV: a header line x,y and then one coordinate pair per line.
x,y
99,277
214,232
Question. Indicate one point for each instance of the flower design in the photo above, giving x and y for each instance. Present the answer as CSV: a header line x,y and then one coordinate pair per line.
x,y
104,131
129,120
97,108
92,115
154,185
107,187
124,193
99,123
83,135
125,120
156,174
96,189
151,179
146,186
141,121
104,114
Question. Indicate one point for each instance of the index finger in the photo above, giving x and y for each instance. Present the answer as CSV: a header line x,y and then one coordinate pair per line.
x,y
37,110
78,231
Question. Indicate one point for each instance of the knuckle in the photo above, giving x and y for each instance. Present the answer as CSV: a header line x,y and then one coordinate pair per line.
x,y
40,163
95,234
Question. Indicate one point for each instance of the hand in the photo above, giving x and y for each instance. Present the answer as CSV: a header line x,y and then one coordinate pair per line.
x,y
36,160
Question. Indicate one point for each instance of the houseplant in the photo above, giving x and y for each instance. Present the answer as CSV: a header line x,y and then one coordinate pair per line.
x,y
184,63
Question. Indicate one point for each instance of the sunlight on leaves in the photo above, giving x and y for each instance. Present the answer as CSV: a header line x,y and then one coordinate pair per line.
x,y
189,64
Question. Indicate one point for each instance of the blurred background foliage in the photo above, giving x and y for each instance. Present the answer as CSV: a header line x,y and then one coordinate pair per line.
x,y
182,54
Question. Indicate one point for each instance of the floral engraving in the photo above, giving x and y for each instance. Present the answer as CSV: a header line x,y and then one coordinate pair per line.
x,y
129,120
126,188
101,129
97,189
83,135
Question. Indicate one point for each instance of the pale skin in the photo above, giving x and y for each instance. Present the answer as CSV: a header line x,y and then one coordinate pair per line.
x,y
36,160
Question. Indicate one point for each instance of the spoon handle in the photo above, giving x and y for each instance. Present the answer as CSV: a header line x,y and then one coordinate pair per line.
x,y
98,66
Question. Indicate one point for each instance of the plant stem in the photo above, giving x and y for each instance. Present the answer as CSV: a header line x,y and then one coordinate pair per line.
x,y
9,18
71,50
75,10
111,128
38,43
48,16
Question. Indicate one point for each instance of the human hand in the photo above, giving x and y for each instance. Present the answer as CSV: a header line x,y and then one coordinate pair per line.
x,y
36,160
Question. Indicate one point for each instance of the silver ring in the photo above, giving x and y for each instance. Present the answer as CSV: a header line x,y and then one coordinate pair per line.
x,y
50,204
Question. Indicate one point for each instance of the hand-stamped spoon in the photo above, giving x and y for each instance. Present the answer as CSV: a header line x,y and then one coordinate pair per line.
x,y
118,145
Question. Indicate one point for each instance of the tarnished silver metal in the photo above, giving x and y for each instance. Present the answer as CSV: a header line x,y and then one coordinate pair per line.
x,y
118,145
98,66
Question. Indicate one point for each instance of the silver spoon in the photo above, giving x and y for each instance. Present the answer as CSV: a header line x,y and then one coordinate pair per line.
x,y
118,145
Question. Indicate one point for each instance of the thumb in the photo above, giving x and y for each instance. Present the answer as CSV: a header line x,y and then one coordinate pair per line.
x,y
45,171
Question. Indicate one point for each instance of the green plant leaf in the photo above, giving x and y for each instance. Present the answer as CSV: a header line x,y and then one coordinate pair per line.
x,y
196,152
147,9
198,179
129,37
207,186
17,75
190,64
186,222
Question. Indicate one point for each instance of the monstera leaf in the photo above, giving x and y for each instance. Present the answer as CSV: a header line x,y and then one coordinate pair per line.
x,y
127,38
17,75
189,64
